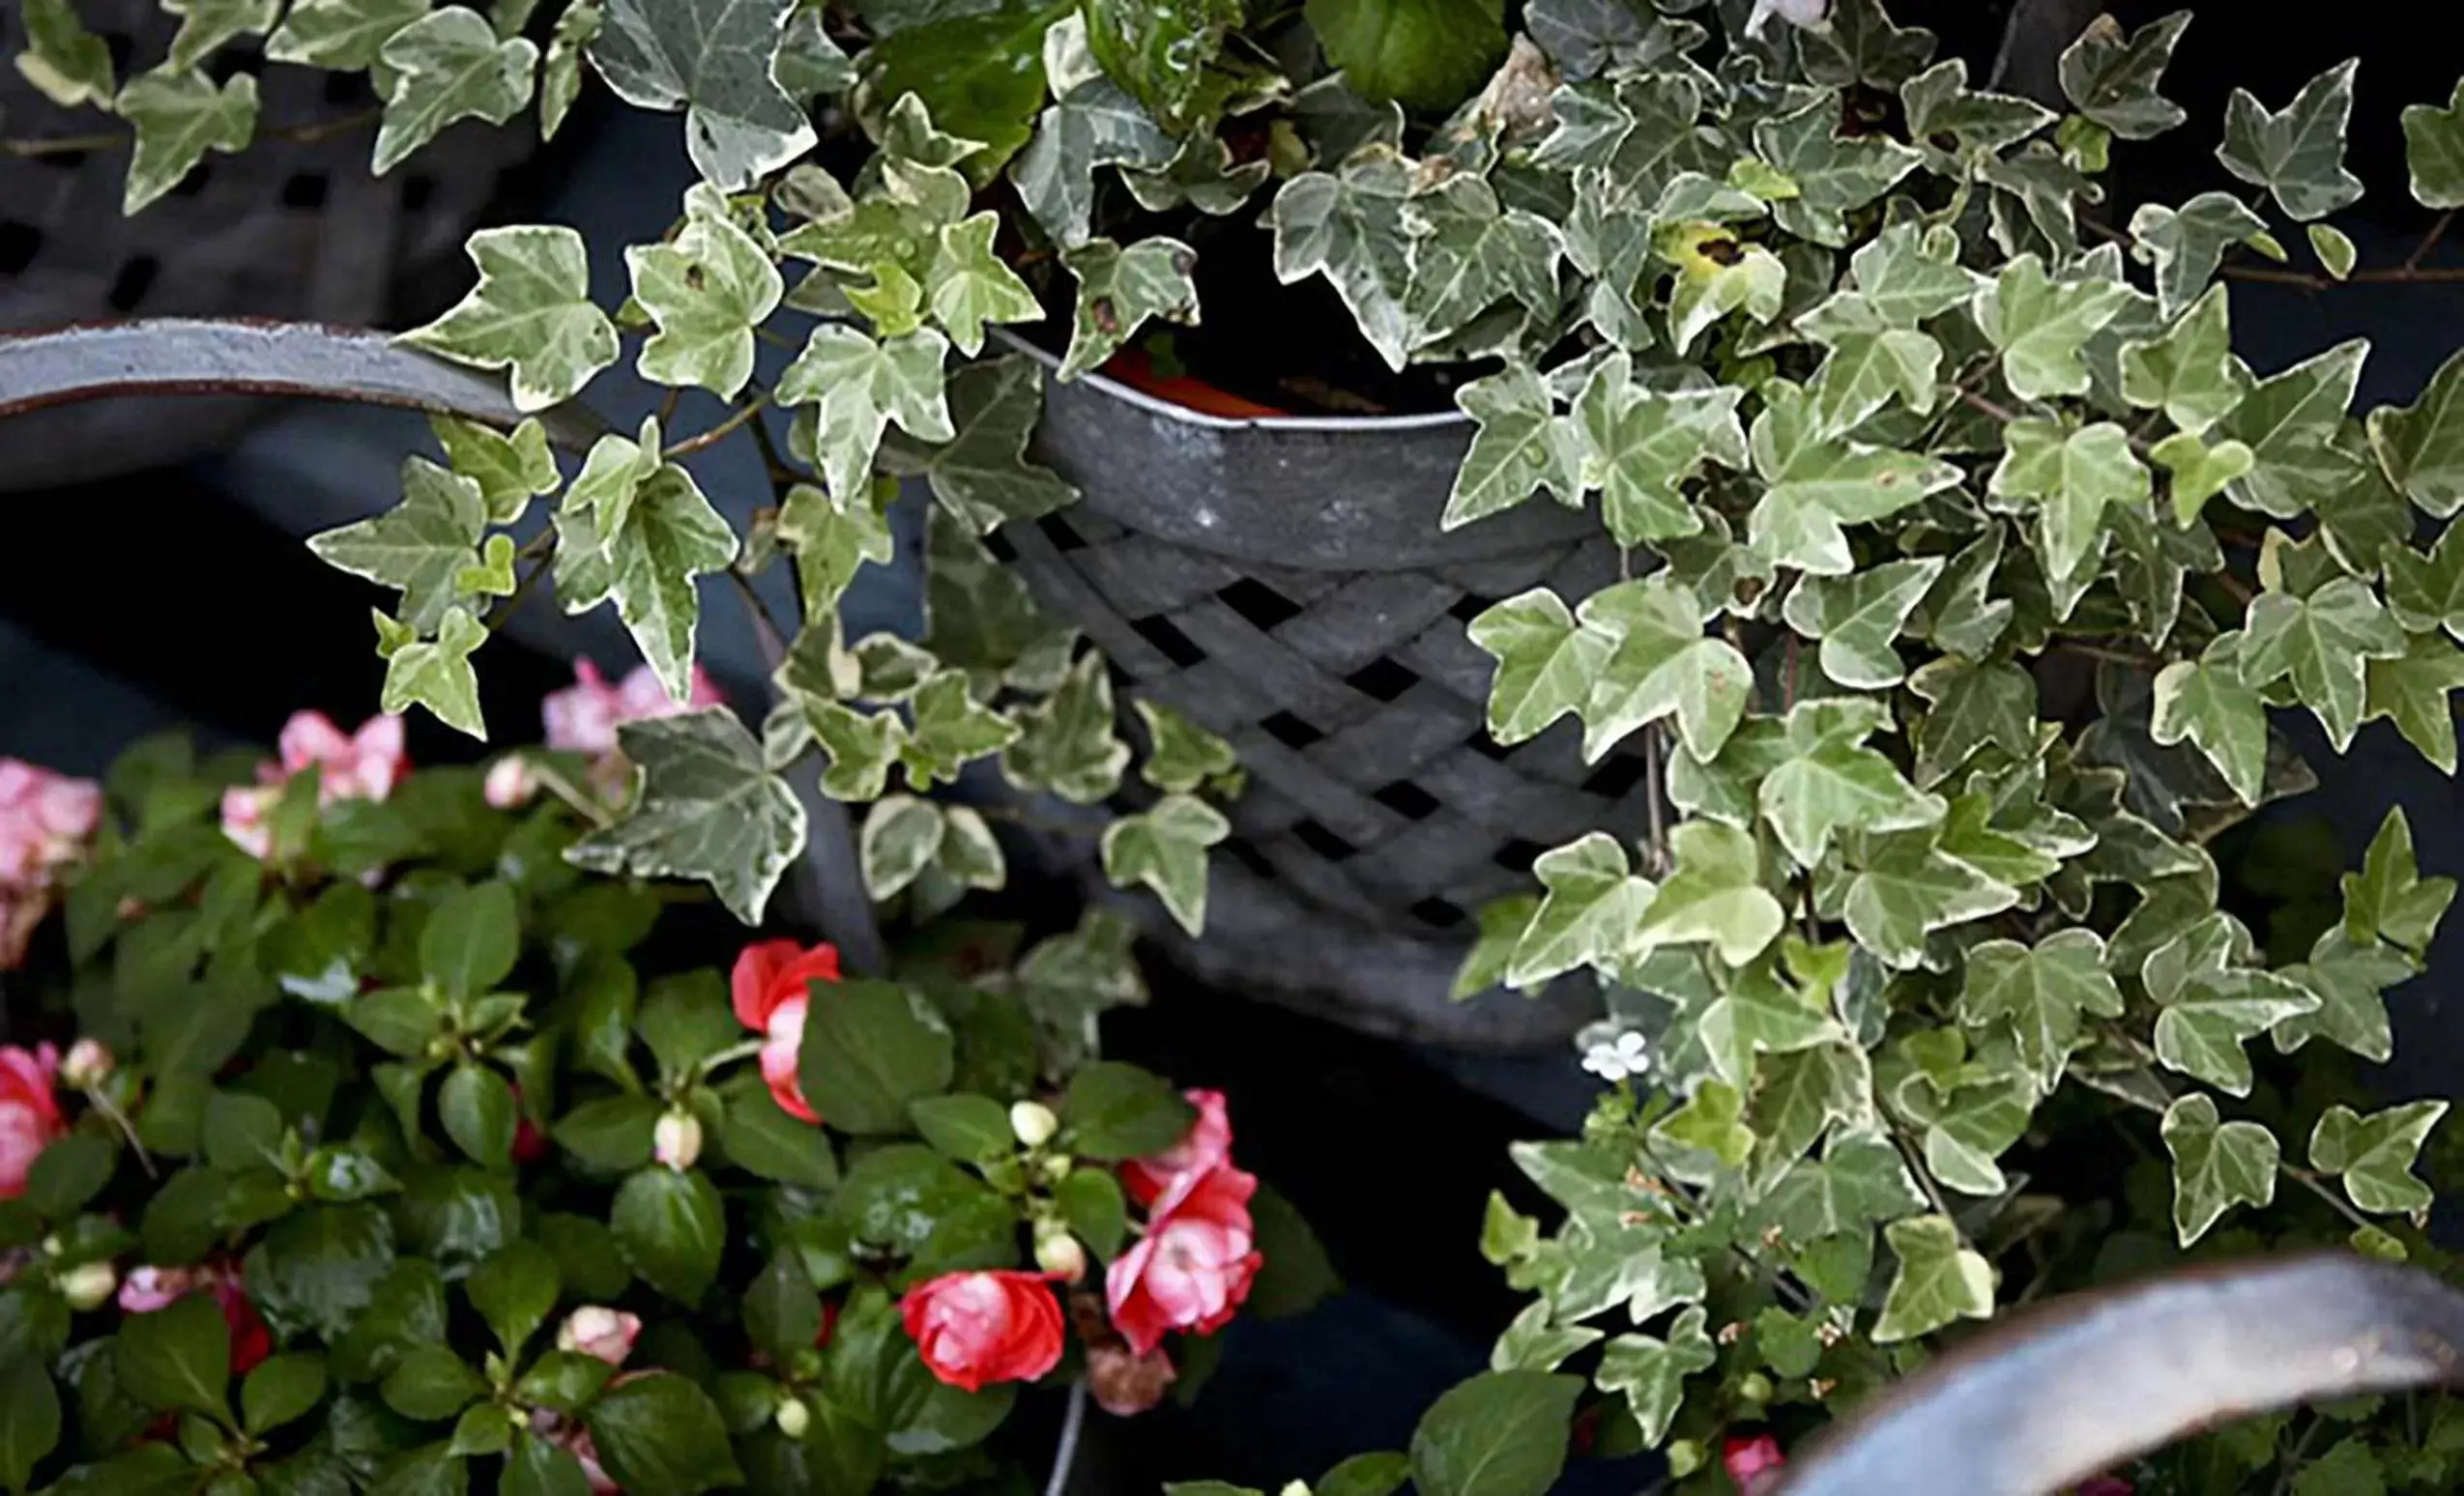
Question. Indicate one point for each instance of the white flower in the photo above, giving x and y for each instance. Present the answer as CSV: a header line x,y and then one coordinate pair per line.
x,y
1628,1054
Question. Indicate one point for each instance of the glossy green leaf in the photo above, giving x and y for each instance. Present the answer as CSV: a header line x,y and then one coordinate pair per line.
x,y
1501,1433
672,1229
874,1049
1429,54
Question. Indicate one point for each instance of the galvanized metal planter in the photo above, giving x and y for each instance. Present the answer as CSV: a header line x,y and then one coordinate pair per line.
x,y
1283,581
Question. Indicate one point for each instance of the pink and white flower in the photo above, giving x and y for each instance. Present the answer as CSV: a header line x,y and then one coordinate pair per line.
x,y
30,1117
361,766
584,716
46,820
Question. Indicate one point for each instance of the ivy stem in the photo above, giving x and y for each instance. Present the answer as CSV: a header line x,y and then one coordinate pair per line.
x,y
556,784
305,133
1924,1182
1654,770
2429,241
2293,1456
2303,1177
750,410
2403,275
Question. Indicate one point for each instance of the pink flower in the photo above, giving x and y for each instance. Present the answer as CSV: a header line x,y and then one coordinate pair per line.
x,y
973,1328
29,1114
770,990
1207,1147
583,717
509,784
1754,1465
575,1440
149,1289
1125,1384
595,1329
364,766
44,820
1194,1266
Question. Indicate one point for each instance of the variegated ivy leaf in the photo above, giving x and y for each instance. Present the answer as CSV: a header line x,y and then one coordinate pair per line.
x,y
1852,41
509,470
1659,663
2388,899
832,541
1593,901
1118,290
2111,79
712,59
1347,226
1160,52
2191,372
1088,127
1869,363
1468,254
1973,706
1857,617
2291,423
1978,1124
1906,886
982,475
708,289
1834,174
2349,976
1827,782
1818,484
1067,746
636,528
1584,38
2296,154
1641,132
1714,895
436,673
1717,274
560,72
861,387
1165,850
862,748
809,63
2421,447
1180,755
1940,106
2375,1155
446,66
2041,326
179,116
1861,1181
2216,1164
1940,1279
2323,642
2072,477
951,730
708,808
2187,244
2412,691
66,63
530,312
1798,1097
1651,1373
2434,148
205,25
2211,1004
1962,615
970,287
2208,702
1640,446
1522,446
2336,252
2039,994
418,546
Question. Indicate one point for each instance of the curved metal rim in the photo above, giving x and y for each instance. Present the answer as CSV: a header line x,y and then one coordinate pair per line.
x,y
1153,405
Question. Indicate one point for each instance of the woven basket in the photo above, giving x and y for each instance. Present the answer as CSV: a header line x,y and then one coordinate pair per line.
x,y
1283,583
286,228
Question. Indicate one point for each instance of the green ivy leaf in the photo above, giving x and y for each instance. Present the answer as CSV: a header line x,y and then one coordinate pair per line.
x,y
861,387
2189,244
345,35
2038,992
1658,663
1907,887
1834,174
1859,44
205,25
660,1435
67,64
2348,977
2388,899
1093,125
902,836
2111,79
2434,148
1501,1433
1639,447
1939,1280
1119,290
707,288
1651,1373
418,546
446,66
1716,895
1428,54
1521,447
709,808
2041,326
1816,484
1068,746
672,1227
832,541
2191,372
1180,755
2290,423
1828,782
1165,848
437,674
1591,909
1347,226
2421,447
2208,702
1470,254
2296,154
1975,707
530,312
2210,1009
2324,643
970,287
2374,1154
561,74
875,1049
179,116
1857,617
713,60
1861,1181
510,470
2215,1167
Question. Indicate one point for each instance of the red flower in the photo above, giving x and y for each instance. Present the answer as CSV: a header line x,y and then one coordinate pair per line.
x,y
29,1113
147,1290
771,992
973,1328
1207,1147
1194,1266
1754,1465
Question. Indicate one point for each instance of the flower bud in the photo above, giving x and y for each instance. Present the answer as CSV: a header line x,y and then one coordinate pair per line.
x,y
88,1284
793,1418
677,1140
1685,1457
1055,1167
1755,1388
89,1064
1033,1122
595,1329
1294,1488
1059,1252
510,783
